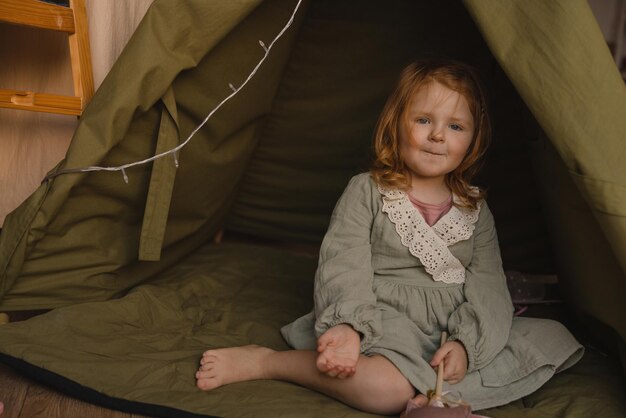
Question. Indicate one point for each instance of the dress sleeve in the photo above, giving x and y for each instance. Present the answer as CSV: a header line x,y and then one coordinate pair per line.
x,y
343,283
482,323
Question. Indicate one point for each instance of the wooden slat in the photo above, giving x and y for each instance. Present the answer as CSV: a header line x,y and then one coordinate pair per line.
x,y
13,390
72,20
80,54
40,102
38,14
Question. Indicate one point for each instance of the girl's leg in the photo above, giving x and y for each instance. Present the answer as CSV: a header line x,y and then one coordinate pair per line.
x,y
377,386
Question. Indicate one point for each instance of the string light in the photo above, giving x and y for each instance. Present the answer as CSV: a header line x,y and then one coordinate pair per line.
x,y
174,151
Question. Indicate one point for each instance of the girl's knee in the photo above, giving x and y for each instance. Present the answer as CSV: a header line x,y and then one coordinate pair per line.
x,y
388,398
389,391
397,392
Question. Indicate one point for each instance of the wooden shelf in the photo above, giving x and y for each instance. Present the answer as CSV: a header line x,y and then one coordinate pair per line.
x,y
38,14
71,20
40,102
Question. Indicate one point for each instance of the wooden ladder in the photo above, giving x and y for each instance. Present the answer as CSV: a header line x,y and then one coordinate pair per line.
x,y
70,19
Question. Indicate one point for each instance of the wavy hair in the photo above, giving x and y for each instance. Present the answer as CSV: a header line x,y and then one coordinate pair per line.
x,y
388,168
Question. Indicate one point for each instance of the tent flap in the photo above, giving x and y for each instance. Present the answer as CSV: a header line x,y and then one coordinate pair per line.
x,y
555,55
176,48
13,250
161,183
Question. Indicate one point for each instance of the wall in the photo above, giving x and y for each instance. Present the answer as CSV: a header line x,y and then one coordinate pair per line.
x,y
32,143
611,16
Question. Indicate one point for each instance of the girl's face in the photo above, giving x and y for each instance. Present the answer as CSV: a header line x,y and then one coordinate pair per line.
x,y
437,132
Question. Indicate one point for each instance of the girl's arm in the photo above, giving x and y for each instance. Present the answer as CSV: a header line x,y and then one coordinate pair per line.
x,y
483,322
343,283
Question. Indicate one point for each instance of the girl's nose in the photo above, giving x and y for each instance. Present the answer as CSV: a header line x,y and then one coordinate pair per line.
x,y
436,135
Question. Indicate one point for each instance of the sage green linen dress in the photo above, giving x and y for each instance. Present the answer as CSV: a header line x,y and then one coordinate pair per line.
x,y
400,283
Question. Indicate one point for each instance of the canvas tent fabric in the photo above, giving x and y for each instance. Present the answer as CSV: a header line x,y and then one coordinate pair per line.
x,y
139,289
562,77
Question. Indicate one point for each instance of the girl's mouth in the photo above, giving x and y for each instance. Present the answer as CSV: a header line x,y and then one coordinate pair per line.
x,y
434,153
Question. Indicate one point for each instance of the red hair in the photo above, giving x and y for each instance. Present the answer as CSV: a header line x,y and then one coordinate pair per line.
x,y
388,168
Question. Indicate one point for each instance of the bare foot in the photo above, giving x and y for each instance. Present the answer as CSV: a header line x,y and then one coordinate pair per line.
x,y
419,401
228,365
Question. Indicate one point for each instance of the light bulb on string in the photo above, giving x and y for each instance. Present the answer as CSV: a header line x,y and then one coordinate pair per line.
x,y
174,151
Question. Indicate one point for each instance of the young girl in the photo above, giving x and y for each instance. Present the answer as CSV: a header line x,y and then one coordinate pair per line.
x,y
411,251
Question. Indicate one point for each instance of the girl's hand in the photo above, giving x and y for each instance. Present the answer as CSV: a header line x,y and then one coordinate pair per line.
x,y
455,361
339,348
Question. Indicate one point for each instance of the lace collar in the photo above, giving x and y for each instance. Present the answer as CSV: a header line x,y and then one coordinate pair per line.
x,y
430,244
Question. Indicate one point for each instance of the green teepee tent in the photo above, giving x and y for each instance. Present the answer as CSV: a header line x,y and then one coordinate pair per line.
x,y
138,287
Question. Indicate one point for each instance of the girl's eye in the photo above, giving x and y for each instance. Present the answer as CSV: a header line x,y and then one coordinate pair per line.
x,y
422,121
456,127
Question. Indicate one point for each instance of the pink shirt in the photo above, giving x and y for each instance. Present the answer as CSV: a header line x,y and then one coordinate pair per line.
x,y
432,212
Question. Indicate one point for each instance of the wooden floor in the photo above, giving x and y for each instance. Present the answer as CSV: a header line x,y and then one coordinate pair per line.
x,y
24,398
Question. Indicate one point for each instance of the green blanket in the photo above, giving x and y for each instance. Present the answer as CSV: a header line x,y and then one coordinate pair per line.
x,y
145,346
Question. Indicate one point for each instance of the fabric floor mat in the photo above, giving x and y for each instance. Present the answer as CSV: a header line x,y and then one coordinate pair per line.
x,y
144,348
